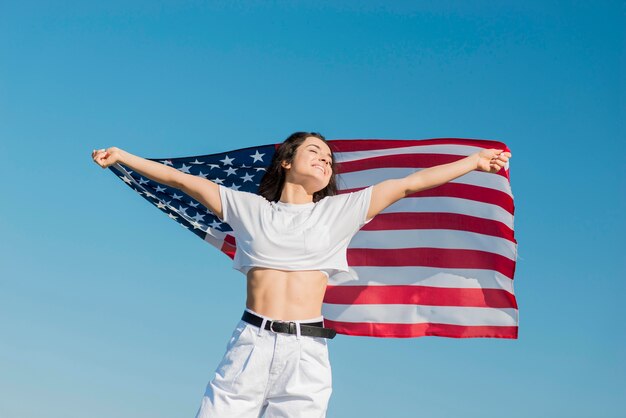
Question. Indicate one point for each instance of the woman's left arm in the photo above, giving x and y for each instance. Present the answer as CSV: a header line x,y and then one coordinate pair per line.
x,y
388,192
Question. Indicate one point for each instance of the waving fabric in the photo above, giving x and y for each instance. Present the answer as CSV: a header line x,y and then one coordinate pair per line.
x,y
439,262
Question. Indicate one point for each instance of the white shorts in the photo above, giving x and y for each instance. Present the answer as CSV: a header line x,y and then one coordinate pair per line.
x,y
276,374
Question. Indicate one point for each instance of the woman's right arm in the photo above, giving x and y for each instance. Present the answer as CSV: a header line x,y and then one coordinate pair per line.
x,y
203,190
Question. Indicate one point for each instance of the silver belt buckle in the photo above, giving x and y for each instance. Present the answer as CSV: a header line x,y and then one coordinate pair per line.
x,y
272,325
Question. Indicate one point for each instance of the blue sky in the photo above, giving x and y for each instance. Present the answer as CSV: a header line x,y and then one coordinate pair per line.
x,y
110,309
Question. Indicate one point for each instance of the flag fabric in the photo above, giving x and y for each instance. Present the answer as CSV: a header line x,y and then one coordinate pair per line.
x,y
437,263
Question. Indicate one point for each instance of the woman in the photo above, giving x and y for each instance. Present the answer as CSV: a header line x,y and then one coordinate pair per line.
x,y
290,238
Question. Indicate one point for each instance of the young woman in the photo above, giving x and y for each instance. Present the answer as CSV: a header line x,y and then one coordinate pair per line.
x,y
290,238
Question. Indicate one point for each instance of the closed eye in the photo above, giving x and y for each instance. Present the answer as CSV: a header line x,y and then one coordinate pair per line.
x,y
328,161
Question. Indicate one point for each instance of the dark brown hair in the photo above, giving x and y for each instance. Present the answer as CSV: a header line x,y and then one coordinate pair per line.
x,y
271,185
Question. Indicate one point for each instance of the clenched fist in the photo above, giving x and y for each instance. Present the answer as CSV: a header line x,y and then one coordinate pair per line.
x,y
106,157
492,160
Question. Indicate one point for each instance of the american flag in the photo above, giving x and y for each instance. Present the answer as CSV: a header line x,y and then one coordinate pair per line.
x,y
439,262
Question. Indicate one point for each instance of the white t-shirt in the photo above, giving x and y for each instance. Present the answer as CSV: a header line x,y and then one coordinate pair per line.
x,y
284,236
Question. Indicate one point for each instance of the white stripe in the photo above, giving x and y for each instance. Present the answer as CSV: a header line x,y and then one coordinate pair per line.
x,y
433,238
423,276
419,314
364,178
417,149
452,205
215,237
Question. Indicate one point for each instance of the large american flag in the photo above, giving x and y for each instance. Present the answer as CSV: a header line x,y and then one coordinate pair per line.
x,y
439,262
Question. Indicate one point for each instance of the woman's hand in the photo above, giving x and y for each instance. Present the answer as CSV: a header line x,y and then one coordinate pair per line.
x,y
106,157
492,160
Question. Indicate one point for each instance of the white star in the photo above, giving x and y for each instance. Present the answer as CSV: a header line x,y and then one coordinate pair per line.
x,y
176,196
201,174
247,177
127,180
167,162
257,156
196,162
196,225
172,216
185,168
199,217
218,181
182,210
215,224
235,187
160,189
245,166
193,204
227,160
230,171
161,205
213,166
148,194
143,181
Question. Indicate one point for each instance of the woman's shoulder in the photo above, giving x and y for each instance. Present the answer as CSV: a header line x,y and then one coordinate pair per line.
x,y
354,194
243,196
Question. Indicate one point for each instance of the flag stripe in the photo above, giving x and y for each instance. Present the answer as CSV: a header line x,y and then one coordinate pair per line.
x,y
352,145
425,276
415,314
431,257
420,161
366,178
462,191
451,205
345,156
434,238
229,247
430,220
419,295
383,330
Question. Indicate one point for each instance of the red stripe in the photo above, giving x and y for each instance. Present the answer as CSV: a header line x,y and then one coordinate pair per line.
x,y
398,161
431,257
229,246
401,161
437,220
419,295
463,191
350,145
471,192
370,329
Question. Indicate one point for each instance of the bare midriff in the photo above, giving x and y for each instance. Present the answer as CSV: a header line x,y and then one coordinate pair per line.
x,y
286,295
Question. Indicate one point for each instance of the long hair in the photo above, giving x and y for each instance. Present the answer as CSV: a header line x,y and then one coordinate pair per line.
x,y
271,185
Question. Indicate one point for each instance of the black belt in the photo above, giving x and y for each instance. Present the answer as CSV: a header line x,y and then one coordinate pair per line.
x,y
309,329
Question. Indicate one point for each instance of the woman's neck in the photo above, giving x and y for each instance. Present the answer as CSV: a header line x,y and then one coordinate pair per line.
x,y
295,194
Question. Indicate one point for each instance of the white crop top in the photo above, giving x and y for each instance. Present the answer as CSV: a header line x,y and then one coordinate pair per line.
x,y
285,236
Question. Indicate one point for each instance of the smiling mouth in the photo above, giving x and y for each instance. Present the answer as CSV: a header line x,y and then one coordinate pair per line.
x,y
320,167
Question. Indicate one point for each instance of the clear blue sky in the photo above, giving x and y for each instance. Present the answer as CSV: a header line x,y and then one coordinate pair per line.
x,y
110,309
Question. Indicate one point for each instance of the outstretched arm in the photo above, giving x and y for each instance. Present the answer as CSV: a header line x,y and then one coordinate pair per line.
x,y
388,192
203,190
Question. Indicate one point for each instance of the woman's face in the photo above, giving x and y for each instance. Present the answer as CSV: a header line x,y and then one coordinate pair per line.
x,y
312,164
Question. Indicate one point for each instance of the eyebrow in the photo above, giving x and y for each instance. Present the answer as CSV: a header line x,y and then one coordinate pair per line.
x,y
316,146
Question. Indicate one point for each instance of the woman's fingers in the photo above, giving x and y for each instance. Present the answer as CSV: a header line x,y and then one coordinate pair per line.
x,y
99,157
494,160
